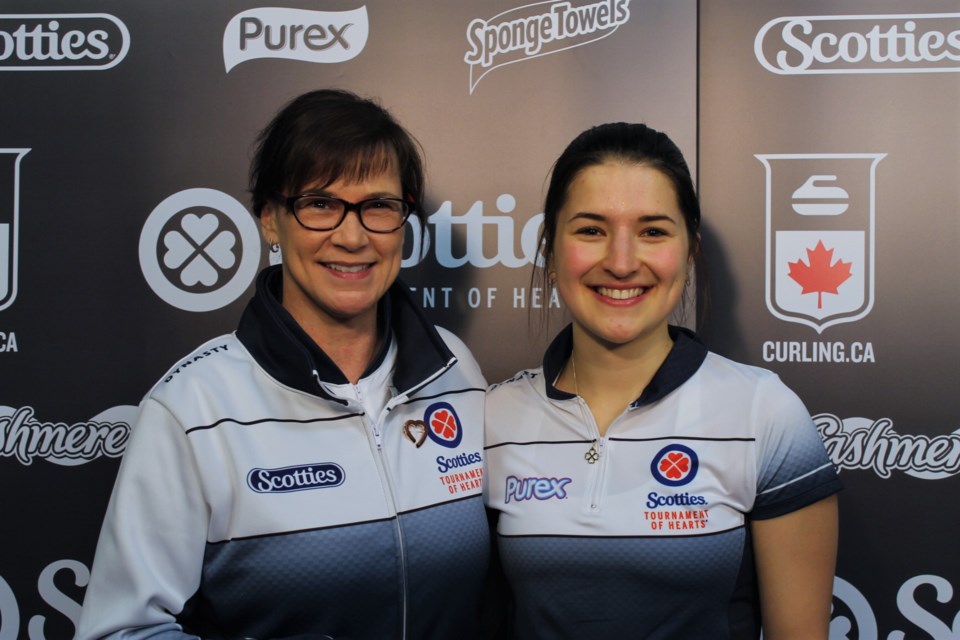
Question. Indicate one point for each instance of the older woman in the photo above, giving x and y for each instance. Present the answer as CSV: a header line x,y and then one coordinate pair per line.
x,y
305,475
647,488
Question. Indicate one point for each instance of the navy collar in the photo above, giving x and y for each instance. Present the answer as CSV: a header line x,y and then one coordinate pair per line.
x,y
685,357
278,343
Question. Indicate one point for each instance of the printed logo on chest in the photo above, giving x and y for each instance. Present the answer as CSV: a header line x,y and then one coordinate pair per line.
x,y
302,477
675,465
519,489
443,425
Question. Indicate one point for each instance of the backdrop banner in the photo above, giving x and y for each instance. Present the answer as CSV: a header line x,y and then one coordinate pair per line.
x,y
830,157
826,143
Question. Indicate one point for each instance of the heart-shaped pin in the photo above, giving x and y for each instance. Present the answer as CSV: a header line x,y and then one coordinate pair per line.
x,y
415,431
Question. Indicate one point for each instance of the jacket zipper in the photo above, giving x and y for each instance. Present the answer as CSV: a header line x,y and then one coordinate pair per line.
x,y
382,463
599,455
396,400
601,474
385,473
381,458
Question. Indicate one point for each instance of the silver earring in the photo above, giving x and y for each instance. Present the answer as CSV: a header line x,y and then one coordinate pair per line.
x,y
275,248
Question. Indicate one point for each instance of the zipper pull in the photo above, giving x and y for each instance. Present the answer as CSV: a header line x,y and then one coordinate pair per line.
x,y
593,455
372,419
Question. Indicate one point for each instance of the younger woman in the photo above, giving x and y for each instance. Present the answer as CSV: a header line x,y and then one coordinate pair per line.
x,y
648,488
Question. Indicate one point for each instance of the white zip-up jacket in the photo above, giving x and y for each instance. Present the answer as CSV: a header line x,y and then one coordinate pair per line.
x,y
254,503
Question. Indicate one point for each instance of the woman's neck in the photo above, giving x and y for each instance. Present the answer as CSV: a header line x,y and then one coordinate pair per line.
x,y
610,377
351,345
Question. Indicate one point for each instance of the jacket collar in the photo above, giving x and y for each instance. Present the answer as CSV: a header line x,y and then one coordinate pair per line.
x,y
684,359
290,356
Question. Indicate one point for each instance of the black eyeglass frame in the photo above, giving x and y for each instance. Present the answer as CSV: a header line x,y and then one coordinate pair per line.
x,y
291,201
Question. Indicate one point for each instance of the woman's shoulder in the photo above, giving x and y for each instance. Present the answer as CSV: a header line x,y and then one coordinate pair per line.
x,y
452,340
461,351
731,379
206,363
197,387
730,376
523,382
727,367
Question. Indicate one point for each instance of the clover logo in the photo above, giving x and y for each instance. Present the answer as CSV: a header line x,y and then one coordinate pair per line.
x,y
675,465
444,424
199,250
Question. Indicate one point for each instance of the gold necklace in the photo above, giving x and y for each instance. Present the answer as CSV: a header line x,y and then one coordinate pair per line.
x,y
593,454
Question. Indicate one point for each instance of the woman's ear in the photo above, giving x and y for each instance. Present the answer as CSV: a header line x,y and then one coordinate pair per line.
x,y
268,224
694,250
550,267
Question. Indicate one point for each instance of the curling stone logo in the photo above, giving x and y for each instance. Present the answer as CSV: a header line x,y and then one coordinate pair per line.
x,y
675,465
9,223
820,257
443,425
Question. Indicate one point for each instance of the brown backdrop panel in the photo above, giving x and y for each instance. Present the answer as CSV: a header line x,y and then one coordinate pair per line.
x,y
840,125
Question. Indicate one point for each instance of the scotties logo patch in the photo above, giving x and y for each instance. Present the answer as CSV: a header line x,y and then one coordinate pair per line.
x,y
443,425
675,465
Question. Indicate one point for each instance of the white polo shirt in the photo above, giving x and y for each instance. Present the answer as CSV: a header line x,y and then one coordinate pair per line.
x,y
650,540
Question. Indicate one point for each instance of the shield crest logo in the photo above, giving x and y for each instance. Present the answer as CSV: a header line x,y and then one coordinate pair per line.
x,y
820,258
9,222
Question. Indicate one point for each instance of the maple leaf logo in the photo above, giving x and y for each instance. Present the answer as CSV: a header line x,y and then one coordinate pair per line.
x,y
819,276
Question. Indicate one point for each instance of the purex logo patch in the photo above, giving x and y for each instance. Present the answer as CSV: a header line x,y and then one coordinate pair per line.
x,y
520,489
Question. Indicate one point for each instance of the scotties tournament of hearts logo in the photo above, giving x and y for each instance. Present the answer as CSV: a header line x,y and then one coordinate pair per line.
x,y
675,465
443,425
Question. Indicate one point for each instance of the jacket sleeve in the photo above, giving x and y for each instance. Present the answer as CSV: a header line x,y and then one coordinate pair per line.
x,y
150,552
794,469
